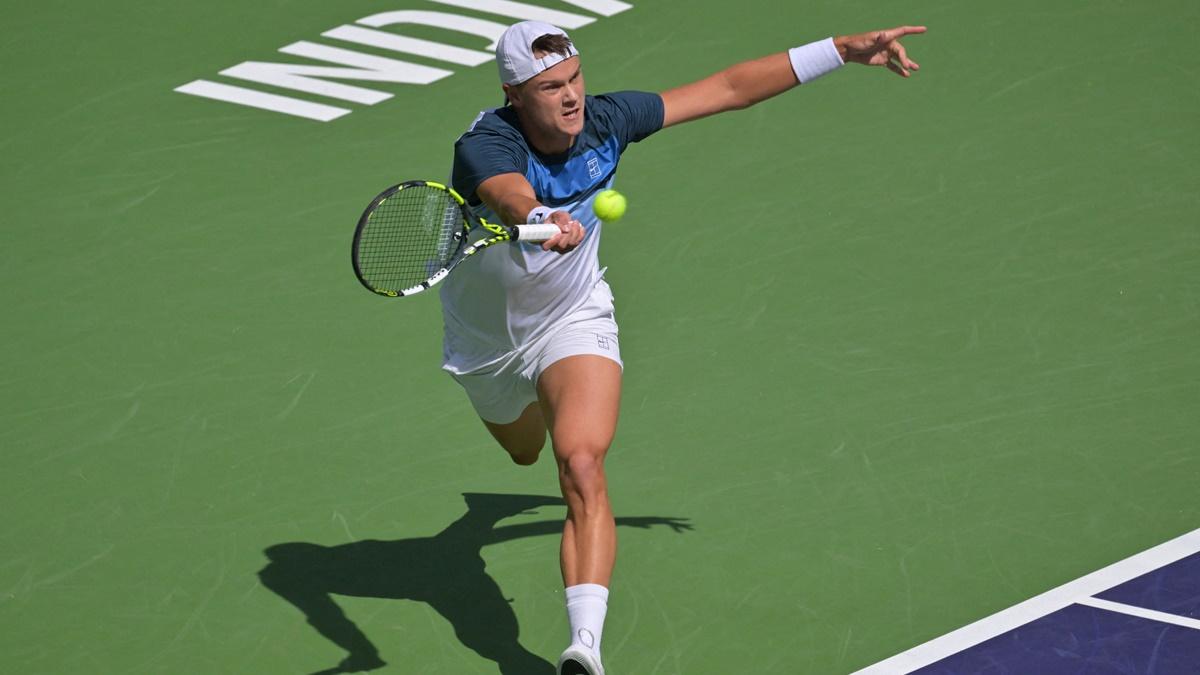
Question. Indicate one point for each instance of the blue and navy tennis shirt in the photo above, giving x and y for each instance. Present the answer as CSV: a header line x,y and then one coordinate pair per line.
x,y
513,293
495,144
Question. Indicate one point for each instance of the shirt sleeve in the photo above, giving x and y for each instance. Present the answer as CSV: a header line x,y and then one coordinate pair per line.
x,y
634,115
481,154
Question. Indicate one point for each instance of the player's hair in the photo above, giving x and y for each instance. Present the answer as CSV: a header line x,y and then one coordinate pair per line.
x,y
552,43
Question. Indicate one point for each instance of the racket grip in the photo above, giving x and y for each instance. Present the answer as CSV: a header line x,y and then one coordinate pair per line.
x,y
536,233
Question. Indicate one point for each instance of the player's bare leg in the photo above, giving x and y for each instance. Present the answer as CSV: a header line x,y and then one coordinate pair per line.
x,y
580,398
523,438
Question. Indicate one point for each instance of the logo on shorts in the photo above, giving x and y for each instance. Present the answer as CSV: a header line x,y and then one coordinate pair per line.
x,y
594,167
602,341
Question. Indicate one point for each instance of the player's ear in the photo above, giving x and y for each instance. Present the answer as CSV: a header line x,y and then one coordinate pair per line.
x,y
509,92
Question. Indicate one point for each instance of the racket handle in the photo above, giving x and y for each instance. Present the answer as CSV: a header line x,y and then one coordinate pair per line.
x,y
536,233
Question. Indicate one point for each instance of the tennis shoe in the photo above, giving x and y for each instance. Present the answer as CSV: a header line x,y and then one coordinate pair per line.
x,y
579,660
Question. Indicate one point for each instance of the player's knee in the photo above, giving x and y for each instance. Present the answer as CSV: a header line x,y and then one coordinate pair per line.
x,y
582,472
524,451
525,457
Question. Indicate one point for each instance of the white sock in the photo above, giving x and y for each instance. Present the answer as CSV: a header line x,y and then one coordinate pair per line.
x,y
586,606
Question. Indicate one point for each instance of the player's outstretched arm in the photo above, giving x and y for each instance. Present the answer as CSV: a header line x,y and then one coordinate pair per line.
x,y
510,196
749,82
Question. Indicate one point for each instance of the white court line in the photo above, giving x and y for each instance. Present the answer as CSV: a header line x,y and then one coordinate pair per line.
x,y
1051,601
1142,612
260,99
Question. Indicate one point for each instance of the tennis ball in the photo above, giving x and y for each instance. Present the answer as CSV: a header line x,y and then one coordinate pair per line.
x,y
609,205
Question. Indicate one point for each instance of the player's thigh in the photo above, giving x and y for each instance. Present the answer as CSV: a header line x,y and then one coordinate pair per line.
x,y
523,436
580,398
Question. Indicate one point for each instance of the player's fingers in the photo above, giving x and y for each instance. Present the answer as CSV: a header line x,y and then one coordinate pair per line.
x,y
564,231
571,233
901,55
897,69
896,33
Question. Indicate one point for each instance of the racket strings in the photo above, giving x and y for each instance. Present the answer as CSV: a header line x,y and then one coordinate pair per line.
x,y
408,237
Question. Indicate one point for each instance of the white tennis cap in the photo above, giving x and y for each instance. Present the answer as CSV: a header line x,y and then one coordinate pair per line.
x,y
514,51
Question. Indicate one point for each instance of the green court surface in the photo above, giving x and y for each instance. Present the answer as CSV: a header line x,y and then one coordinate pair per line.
x,y
902,353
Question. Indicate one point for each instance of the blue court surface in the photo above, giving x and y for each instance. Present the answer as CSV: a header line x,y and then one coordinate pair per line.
x,y
1140,616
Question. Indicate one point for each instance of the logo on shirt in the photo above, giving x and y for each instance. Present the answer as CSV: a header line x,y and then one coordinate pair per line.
x,y
594,167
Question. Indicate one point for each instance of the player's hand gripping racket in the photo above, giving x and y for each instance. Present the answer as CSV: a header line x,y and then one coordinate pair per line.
x,y
413,234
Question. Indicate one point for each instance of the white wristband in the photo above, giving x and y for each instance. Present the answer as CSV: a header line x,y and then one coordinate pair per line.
x,y
539,214
815,59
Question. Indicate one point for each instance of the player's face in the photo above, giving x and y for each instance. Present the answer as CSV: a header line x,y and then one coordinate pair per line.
x,y
553,100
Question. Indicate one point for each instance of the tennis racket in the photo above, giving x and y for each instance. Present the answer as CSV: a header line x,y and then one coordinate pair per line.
x,y
413,234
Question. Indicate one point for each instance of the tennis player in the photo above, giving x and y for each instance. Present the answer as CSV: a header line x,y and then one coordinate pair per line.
x,y
529,329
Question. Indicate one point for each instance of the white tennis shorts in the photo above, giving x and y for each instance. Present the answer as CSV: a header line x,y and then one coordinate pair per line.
x,y
501,391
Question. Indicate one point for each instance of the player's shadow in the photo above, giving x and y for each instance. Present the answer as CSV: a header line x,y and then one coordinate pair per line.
x,y
446,570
